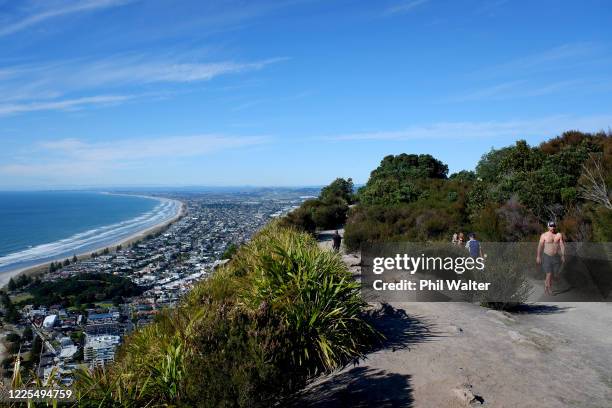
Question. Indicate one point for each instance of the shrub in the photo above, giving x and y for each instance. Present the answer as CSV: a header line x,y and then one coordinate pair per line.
x,y
280,312
509,284
300,219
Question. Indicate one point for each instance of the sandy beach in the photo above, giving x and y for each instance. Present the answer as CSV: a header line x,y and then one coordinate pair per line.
x,y
137,236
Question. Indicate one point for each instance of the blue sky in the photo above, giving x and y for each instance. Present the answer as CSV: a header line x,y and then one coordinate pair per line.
x,y
167,92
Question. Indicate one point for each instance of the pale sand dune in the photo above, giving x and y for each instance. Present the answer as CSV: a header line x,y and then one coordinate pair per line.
x,y
445,354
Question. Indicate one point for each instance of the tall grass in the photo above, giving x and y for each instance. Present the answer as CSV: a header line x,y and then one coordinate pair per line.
x,y
280,312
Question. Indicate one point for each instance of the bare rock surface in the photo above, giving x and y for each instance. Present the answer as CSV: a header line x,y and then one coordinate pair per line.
x,y
460,354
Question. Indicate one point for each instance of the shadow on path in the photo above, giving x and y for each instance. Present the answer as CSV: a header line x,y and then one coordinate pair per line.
x,y
538,309
400,329
361,387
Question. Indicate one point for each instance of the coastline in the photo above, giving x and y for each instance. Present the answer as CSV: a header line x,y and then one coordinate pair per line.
x,y
41,268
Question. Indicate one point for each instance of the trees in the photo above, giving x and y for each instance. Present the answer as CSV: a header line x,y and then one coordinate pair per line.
x,y
488,168
593,184
11,285
339,188
325,212
464,175
396,179
512,192
11,315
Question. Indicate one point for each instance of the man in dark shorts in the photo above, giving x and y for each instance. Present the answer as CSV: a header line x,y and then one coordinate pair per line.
x,y
337,239
551,255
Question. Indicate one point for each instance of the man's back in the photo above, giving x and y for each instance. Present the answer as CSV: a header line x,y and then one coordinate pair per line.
x,y
473,246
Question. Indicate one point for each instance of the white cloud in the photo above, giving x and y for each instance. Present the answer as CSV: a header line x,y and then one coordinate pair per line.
x,y
65,104
31,88
404,7
143,70
63,159
77,75
519,89
56,9
456,131
553,59
138,149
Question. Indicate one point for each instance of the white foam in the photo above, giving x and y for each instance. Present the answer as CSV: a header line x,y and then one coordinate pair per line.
x,y
93,238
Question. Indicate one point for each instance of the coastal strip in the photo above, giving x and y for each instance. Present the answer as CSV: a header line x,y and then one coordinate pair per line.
x,y
42,267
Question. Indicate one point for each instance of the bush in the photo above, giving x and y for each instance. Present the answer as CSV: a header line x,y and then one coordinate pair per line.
x,y
509,284
300,219
328,211
280,312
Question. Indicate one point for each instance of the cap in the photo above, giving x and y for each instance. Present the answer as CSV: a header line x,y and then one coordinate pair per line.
x,y
551,224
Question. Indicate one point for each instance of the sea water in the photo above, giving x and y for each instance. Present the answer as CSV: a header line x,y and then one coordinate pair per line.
x,y
37,227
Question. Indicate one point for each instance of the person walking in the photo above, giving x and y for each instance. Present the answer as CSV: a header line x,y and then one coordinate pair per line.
x,y
550,254
473,246
336,239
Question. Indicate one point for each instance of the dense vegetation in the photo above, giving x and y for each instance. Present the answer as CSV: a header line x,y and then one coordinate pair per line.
x,y
281,311
512,193
327,211
82,289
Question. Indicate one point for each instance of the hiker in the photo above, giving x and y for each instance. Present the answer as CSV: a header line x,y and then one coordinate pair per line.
x,y
337,239
455,239
461,239
550,254
473,246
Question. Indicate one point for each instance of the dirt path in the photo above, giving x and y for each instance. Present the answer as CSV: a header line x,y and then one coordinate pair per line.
x,y
460,354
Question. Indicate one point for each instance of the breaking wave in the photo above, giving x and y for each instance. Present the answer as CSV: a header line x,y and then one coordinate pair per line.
x,y
92,239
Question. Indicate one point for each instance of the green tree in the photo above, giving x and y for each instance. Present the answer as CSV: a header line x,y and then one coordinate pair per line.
x,y
464,175
12,285
339,188
488,168
397,179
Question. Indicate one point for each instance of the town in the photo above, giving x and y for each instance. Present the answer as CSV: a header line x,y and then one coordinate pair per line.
x,y
77,313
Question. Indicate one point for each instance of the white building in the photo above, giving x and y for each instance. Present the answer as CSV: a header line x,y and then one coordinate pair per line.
x,y
50,321
100,349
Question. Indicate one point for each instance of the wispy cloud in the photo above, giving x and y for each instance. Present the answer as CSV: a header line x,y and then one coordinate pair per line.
x,y
53,9
71,157
65,104
29,88
490,6
404,7
552,59
149,148
517,89
457,131
285,99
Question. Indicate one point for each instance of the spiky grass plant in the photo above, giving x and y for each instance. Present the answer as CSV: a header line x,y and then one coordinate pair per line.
x,y
314,295
280,312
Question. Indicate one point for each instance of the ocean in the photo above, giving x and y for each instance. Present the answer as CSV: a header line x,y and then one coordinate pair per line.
x,y
37,227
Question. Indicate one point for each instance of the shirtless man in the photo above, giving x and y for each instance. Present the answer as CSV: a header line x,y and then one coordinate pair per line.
x,y
551,243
